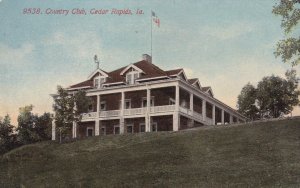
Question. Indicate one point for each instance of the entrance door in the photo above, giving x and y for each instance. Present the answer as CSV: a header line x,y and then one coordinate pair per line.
x,y
90,132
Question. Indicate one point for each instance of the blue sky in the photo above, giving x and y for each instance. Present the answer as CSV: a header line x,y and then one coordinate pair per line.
x,y
226,44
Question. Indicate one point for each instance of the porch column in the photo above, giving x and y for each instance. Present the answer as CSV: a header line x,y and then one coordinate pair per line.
x,y
147,115
97,125
213,114
74,129
122,121
53,128
97,121
204,109
177,98
191,102
122,125
98,106
175,121
222,116
231,119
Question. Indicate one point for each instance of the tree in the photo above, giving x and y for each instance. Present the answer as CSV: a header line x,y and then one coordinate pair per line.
x,y
273,97
31,127
7,136
26,122
247,102
289,48
68,108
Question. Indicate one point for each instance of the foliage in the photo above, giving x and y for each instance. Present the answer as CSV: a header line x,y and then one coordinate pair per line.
x,y
7,136
289,48
33,128
68,108
273,97
247,102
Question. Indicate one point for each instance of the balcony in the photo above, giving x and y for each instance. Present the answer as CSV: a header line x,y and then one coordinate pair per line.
x,y
162,109
110,113
90,115
135,111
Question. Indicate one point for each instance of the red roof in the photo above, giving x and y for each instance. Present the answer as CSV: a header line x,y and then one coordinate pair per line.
x,y
149,71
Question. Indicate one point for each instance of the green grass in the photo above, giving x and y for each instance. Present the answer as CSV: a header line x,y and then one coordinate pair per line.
x,y
258,155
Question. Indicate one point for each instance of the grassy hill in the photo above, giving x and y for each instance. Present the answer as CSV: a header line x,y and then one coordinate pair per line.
x,y
261,154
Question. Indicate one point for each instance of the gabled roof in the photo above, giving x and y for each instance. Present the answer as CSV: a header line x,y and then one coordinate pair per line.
x,y
195,82
174,72
102,72
131,66
208,90
87,83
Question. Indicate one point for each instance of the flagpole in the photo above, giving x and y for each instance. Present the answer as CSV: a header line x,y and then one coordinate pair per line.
x,y
151,33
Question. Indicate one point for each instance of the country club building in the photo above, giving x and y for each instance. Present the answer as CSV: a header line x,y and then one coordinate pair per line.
x,y
141,97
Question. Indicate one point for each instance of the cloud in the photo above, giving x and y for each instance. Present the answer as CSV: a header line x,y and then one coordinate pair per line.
x,y
226,32
13,56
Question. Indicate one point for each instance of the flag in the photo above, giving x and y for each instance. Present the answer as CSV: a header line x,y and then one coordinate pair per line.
x,y
155,19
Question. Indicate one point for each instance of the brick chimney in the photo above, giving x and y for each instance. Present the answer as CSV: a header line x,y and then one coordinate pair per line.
x,y
147,57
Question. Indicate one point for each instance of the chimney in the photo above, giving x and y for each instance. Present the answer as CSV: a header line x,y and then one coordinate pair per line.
x,y
147,57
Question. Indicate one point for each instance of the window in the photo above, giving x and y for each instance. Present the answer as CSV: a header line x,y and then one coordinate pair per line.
x,y
90,131
96,82
90,108
129,128
131,77
116,130
144,102
154,127
103,105
171,101
127,104
103,131
142,127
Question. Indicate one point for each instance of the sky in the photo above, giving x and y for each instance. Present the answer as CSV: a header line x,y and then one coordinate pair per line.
x,y
225,44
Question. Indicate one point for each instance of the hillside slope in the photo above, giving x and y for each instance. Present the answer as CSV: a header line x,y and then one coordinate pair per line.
x,y
262,154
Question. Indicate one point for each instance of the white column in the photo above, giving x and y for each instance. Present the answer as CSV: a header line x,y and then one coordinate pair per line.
x,y
122,121
177,98
204,109
213,114
98,106
222,116
97,121
53,129
191,102
97,125
175,121
147,116
122,125
231,119
74,129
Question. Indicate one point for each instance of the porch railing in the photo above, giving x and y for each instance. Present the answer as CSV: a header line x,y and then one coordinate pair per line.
x,y
90,115
160,109
109,113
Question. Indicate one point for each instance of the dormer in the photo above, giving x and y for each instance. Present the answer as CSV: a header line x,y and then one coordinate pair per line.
x,y
208,91
195,82
131,73
98,77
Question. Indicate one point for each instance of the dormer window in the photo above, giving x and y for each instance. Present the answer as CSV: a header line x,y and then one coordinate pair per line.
x,y
132,76
98,81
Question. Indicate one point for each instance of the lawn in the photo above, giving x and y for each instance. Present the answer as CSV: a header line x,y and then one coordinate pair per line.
x,y
257,155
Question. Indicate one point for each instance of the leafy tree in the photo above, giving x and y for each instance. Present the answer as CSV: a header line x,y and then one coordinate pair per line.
x,y
274,96
247,102
33,128
26,123
289,48
7,136
68,108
